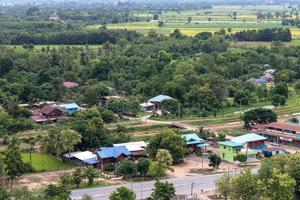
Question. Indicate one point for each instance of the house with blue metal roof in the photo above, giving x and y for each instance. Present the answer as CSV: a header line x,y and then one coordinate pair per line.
x,y
70,107
158,99
112,155
251,141
194,142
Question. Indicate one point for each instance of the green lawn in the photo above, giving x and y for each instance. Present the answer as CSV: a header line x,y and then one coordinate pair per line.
x,y
44,162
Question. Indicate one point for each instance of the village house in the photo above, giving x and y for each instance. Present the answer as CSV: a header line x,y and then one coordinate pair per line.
x,y
279,132
229,150
81,158
70,107
251,141
112,155
147,106
194,142
248,144
137,149
48,113
158,99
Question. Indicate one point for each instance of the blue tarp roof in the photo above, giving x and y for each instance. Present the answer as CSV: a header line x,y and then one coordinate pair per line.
x,y
159,98
251,137
69,105
192,138
113,152
91,161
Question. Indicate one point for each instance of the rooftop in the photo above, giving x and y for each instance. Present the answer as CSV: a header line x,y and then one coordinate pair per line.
x,y
192,138
231,144
160,98
70,84
251,137
286,126
113,152
133,146
69,105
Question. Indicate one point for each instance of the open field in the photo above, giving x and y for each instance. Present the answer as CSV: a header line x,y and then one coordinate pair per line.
x,y
218,13
39,47
210,20
191,29
44,162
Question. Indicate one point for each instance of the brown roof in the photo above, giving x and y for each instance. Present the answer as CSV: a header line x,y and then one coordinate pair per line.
x,y
279,125
285,126
48,109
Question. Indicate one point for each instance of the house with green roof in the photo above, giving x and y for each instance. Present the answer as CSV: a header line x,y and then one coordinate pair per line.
x,y
158,99
228,150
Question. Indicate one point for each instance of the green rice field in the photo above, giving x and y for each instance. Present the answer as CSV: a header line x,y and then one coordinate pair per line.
x,y
44,162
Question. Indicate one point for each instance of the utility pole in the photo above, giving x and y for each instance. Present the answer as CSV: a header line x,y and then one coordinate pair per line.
x,y
192,188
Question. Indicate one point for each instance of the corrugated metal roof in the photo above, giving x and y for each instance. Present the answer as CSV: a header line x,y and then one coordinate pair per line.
x,y
251,137
68,105
113,152
231,144
160,98
192,138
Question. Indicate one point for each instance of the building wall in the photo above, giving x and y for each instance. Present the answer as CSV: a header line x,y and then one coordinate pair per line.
x,y
228,153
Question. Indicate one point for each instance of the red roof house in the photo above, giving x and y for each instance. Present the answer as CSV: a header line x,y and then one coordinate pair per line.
x,y
70,84
48,113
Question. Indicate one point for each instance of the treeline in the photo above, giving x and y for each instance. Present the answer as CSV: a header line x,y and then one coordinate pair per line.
x,y
265,35
67,37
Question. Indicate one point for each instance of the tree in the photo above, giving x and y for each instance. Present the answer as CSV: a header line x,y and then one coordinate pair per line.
x,y
53,192
281,89
14,166
65,180
214,161
176,34
170,141
70,138
164,157
162,191
91,173
157,170
224,186
108,116
126,168
221,136
160,23
170,105
77,177
3,194
122,193
155,17
278,187
60,140
258,116
143,166
242,158
189,19
276,100
6,64
244,186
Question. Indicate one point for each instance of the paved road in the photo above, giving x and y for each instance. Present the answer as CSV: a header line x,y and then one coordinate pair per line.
x,y
143,189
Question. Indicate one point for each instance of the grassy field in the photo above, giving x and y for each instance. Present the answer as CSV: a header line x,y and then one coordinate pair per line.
x,y
44,162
